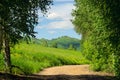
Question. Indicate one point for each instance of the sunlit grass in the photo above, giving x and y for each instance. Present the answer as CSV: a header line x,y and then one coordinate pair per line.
x,y
31,58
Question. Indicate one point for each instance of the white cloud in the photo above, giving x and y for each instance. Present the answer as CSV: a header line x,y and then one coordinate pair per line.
x,y
52,32
60,25
39,27
61,11
52,16
58,21
60,16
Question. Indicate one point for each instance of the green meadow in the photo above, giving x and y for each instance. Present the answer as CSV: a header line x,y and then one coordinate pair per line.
x,y
32,58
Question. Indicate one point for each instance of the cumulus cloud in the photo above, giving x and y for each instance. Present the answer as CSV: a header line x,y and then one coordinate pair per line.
x,y
59,17
52,32
61,11
57,21
39,27
60,25
53,16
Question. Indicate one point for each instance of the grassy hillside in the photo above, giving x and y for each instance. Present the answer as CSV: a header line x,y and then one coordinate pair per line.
x,y
31,58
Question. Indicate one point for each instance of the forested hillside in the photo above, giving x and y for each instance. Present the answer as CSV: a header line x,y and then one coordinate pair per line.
x,y
63,42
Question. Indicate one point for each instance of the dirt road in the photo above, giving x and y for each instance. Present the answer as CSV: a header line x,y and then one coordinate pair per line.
x,y
74,72
70,70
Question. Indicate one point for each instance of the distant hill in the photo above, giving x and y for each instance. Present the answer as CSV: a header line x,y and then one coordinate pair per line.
x,y
62,42
65,42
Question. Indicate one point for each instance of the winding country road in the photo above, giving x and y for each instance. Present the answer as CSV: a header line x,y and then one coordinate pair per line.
x,y
71,70
67,72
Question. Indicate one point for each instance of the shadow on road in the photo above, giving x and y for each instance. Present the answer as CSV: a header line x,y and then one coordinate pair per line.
x,y
6,76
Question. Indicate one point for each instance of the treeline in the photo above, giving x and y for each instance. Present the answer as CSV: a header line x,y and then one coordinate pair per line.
x,y
99,23
63,42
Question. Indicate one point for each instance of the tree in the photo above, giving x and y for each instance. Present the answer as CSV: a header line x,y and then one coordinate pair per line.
x,y
98,21
71,47
54,45
0,39
17,20
44,43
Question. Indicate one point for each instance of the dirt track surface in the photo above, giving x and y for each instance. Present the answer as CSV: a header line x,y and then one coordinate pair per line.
x,y
71,70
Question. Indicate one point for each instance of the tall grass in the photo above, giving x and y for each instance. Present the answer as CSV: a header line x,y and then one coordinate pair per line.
x,y
31,58
1,62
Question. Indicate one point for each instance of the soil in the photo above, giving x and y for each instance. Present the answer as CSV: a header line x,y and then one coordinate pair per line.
x,y
69,72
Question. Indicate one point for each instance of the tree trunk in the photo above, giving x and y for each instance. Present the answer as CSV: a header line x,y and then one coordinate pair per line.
x,y
6,51
0,38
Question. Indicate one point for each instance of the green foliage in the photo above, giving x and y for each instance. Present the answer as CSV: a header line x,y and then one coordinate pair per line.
x,y
18,18
71,47
62,42
44,43
98,22
65,41
54,45
31,58
1,63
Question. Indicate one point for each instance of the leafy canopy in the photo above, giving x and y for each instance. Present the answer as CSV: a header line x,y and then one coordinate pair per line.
x,y
18,17
98,21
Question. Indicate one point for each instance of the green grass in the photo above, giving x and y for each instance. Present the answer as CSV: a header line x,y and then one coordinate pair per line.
x,y
1,62
31,58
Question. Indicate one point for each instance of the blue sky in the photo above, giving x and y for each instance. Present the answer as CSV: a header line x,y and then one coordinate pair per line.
x,y
57,22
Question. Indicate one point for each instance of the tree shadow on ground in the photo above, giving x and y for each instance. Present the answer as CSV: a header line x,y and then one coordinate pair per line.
x,y
6,76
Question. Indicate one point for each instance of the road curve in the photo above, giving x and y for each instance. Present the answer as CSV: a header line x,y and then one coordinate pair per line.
x,y
70,70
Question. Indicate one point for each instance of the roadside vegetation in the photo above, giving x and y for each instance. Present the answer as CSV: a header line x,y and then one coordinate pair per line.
x,y
99,23
63,42
31,58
